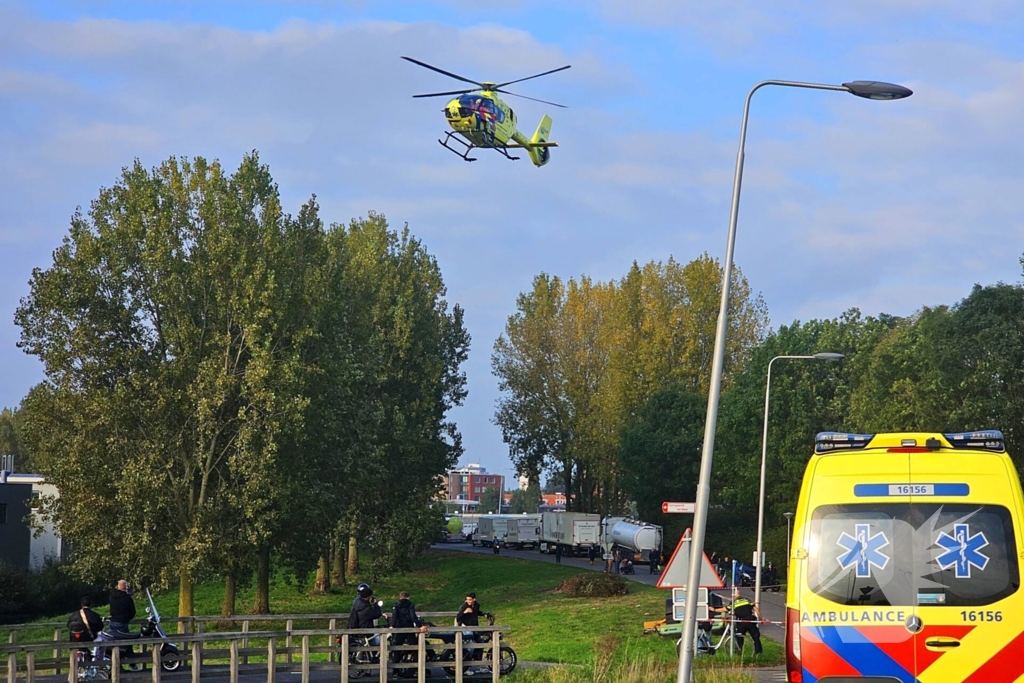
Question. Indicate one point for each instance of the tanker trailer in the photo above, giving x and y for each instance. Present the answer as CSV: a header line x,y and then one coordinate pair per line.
x,y
632,536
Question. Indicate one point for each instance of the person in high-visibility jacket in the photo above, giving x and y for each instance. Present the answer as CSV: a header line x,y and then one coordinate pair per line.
x,y
747,618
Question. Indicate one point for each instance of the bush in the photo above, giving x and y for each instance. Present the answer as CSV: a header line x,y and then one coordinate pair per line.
x,y
594,585
50,591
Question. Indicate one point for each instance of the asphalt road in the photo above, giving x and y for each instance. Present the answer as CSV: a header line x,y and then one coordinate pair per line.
x,y
773,605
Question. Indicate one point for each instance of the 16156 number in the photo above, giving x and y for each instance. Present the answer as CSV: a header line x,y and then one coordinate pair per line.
x,y
981,615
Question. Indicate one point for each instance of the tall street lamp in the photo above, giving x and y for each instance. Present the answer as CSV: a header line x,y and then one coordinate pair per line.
x,y
764,458
789,519
872,90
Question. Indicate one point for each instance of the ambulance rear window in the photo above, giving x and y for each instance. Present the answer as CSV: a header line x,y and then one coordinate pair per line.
x,y
904,554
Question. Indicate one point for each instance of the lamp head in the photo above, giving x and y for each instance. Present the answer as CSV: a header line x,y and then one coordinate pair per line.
x,y
878,90
827,355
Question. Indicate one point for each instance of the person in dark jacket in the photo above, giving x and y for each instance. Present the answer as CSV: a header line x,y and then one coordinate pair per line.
x,y
84,625
122,608
469,615
592,553
403,615
365,609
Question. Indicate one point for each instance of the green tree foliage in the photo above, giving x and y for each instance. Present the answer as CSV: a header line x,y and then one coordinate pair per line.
x,y
225,380
171,325
12,441
408,350
579,359
525,500
490,500
661,450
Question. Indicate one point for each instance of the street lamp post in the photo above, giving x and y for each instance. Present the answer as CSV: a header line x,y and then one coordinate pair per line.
x,y
789,519
874,90
764,459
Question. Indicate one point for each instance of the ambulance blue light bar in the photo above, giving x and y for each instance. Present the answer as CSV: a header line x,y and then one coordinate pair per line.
x,y
827,442
984,440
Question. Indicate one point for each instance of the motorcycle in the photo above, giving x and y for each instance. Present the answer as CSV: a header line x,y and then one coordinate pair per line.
x,y
360,659
472,657
97,666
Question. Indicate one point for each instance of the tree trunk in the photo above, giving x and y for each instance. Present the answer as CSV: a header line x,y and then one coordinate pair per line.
x,y
262,604
353,555
338,563
185,595
323,577
227,607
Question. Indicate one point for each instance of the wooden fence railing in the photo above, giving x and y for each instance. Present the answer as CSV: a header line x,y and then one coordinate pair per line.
x,y
235,649
199,624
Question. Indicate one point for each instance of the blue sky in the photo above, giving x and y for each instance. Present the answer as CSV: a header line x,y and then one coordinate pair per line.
x,y
882,206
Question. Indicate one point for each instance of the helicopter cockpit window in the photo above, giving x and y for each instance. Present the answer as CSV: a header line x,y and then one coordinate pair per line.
x,y
476,103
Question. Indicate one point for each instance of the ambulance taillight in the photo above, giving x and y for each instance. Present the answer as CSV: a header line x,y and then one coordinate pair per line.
x,y
794,669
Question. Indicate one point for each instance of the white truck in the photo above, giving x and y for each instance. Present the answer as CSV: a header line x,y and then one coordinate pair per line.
x,y
502,530
527,530
574,531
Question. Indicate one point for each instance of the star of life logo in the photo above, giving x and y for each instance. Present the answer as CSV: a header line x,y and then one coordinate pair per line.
x,y
863,551
962,551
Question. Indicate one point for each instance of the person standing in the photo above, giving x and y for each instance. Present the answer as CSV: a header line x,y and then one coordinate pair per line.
x,y
592,554
747,618
558,553
403,615
122,608
652,559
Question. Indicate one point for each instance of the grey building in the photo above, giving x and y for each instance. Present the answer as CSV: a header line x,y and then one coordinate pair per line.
x,y
15,534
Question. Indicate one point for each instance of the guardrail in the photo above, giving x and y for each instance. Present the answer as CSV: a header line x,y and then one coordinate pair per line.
x,y
338,646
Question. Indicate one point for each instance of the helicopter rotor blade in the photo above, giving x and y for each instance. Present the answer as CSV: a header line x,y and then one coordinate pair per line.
x,y
553,104
441,94
442,71
520,80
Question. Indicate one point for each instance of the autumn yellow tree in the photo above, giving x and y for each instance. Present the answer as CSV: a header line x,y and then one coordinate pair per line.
x,y
578,360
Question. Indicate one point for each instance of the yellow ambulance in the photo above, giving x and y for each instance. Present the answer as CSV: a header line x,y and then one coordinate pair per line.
x,y
905,562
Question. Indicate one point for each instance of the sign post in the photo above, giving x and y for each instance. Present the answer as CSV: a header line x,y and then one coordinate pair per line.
x,y
678,508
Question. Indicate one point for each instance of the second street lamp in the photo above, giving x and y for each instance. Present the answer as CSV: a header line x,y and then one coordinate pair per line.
x,y
759,563
874,90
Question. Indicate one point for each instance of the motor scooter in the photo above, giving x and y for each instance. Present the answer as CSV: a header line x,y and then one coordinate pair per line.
x,y
98,667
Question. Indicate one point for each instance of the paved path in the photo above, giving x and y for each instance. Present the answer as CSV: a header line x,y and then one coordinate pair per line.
x,y
773,605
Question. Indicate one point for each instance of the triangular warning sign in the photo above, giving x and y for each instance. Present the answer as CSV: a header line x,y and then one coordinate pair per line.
x,y
677,571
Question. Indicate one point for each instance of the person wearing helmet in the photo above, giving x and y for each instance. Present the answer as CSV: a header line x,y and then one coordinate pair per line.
x,y
365,609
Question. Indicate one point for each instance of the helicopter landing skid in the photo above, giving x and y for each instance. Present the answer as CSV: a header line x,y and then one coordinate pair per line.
x,y
504,151
463,153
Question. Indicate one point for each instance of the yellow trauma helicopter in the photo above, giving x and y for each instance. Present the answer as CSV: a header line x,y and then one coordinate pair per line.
x,y
483,120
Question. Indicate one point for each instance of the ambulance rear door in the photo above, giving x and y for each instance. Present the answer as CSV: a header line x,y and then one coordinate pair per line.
x,y
965,514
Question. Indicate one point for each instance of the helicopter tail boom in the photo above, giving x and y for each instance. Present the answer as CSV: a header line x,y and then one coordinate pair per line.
x,y
540,154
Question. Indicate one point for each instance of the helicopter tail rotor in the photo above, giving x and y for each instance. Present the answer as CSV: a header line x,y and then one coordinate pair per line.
x,y
540,154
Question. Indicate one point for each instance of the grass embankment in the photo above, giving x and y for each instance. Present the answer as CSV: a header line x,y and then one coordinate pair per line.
x,y
593,635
